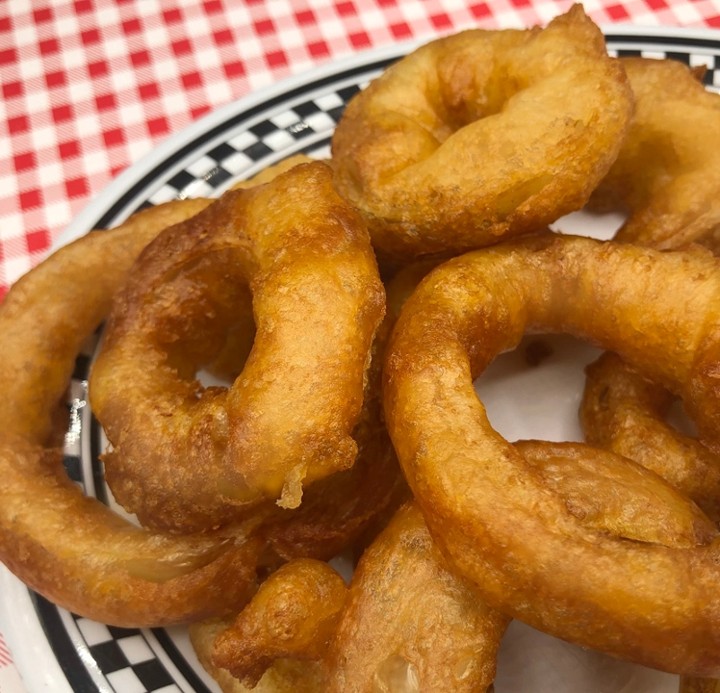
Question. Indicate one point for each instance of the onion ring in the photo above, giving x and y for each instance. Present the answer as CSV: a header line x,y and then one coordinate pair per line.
x,y
293,616
507,531
624,412
699,686
68,547
186,458
668,171
283,676
409,623
466,140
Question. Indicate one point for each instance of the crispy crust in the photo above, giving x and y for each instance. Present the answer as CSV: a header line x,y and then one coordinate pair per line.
x,y
699,686
624,412
405,620
186,458
68,547
507,530
668,171
614,495
410,622
467,140
294,615
283,676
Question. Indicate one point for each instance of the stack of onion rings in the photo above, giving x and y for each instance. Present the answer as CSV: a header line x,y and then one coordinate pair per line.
x,y
236,286
77,552
407,622
509,532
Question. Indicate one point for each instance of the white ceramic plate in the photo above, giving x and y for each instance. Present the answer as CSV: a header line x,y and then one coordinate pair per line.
x,y
57,651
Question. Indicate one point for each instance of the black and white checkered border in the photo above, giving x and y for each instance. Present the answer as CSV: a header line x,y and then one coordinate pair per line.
x,y
106,658
711,62
305,126
126,658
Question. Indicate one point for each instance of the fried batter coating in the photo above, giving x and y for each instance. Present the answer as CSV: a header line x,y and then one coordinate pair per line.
x,y
283,676
665,178
71,548
185,457
348,508
344,510
699,686
668,171
508,530
406,623
473,137
612,494
410,624
624,412
293,615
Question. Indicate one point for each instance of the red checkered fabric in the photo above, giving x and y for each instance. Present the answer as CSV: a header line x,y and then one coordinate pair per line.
x,y
5,656
89,86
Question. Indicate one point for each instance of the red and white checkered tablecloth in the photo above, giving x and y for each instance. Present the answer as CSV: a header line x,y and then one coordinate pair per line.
x,y
87,87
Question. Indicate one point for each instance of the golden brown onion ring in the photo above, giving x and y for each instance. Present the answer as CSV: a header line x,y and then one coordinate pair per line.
x,y
411,624
283,676
468,139
69,547
347,509
618,496
624,412
500,524
187,458
294,615
699,686
668,171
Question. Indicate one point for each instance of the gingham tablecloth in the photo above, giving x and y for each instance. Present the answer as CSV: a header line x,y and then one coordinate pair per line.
x,y
87,87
